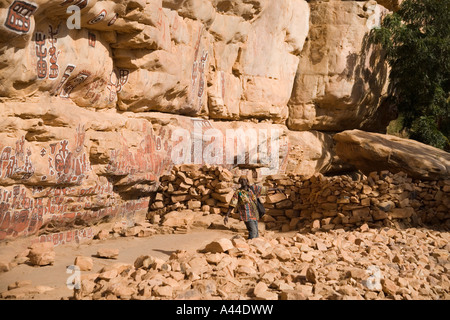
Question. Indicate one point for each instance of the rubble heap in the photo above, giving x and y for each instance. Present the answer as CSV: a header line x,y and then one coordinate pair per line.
x,y
362,264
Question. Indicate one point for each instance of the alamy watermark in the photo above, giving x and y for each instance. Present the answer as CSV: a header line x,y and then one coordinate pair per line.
x,y
212,146
73,281
74,21
373,282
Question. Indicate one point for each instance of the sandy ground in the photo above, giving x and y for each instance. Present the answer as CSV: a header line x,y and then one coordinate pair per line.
x,y
56,275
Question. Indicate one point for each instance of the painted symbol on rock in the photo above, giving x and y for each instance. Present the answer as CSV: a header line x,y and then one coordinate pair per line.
x,y
43,71
65,77
69,165
113,20
222,80
93,92
73,83
116,83
19,14
41,53
79,3
92,39
201,85
16,163
54,68
98,18
198,75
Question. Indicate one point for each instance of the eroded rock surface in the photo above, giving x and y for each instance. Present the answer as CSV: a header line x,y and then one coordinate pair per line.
x,y
94,110
372,152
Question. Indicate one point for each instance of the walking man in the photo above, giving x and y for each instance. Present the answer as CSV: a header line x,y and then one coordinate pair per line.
x,y
244,199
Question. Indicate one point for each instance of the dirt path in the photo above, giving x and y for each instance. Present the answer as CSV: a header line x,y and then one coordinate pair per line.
x,y
55,276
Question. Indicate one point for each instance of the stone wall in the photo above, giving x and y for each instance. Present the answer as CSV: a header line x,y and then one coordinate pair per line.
x,y
319,202
352,200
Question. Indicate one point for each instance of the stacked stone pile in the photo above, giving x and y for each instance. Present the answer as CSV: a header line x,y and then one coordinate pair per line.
x,y
193,187
320,202
364,263
346,201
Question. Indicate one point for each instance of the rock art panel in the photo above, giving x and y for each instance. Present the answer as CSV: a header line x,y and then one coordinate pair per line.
x,y
91,117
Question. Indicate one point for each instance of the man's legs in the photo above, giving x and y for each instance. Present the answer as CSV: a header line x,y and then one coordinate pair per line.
x,y
252,227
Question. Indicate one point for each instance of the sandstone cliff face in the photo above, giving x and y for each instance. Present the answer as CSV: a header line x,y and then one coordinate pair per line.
x,y
92,116
341,77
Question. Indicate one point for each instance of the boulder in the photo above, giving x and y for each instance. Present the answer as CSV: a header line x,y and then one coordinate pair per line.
x,y
370,152
108,253
221,245
84,263
42,254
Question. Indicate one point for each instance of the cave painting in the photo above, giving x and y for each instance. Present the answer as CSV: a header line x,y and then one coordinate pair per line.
x,y
92,39
98,18
16,163
79,3
24,212
54,68
47,69
116,82
198,74
67,73
113,20
73,83
18,17
152,156
68,165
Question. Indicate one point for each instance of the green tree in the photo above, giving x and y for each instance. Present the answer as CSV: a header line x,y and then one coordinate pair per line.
x,y
416,39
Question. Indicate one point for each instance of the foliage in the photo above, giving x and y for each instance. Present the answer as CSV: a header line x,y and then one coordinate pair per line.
x,y
417,43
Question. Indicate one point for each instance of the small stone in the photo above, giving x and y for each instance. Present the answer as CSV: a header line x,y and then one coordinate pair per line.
x,y
123,291
401,213
292,295
311,275
260,288
163,291
102,235
108,253
261,292
306,257
358,274
306,290
275,198
316,224
145,233
221,245
321,246
19,284
370,295
332,275
389,287
108,275
282,254
364,227
4,266
84,263
194,204
133,231
42,254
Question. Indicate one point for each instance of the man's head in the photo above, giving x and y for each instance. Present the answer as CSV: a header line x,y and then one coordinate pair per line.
x,y
243,181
